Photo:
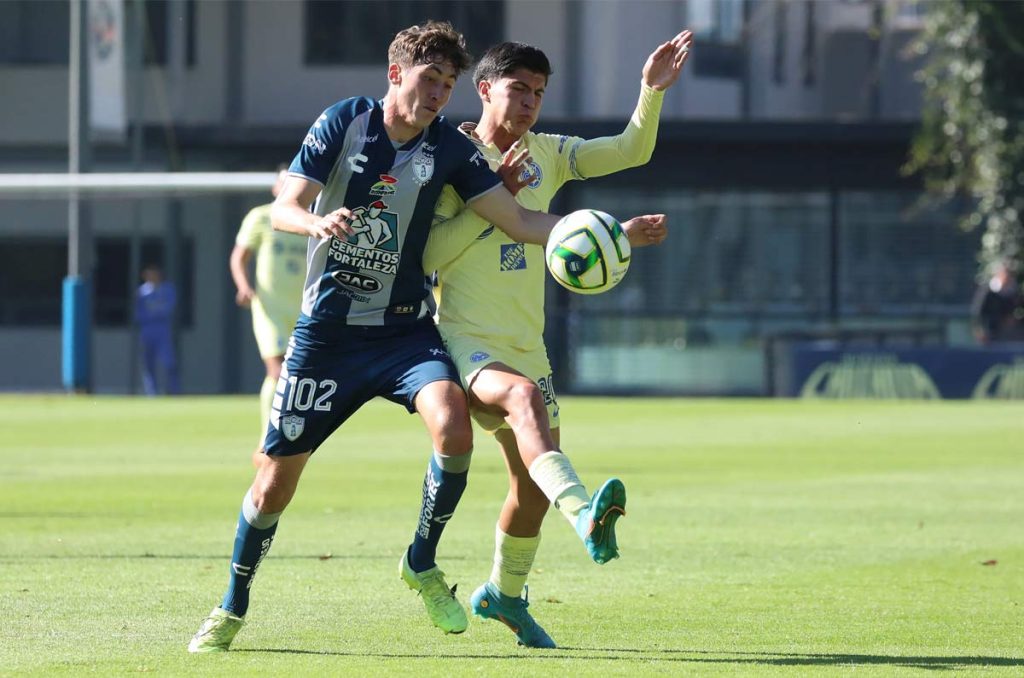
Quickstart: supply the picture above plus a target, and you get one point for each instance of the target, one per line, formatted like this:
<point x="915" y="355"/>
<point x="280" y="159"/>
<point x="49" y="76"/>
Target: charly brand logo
<point x="1002" y="382"/>
<point x="869" y="376"/>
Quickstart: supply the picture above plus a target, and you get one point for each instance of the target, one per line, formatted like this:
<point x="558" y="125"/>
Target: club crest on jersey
<point x="422" y="168"/>
<point x="479" y="356"/>
<point x="384" y="187"/>
<point x="533" y="170"/>
<point x="292" y="426"/>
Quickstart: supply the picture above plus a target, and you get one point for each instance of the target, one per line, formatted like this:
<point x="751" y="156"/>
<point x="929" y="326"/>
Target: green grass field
<point x="763" y="537"/>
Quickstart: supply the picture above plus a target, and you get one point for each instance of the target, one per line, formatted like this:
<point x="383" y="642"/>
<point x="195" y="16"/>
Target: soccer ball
<point x="588" y="252"/>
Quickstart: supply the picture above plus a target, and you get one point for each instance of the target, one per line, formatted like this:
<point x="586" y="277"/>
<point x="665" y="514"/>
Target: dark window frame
<point x="30" y="295"/>
<point x="358" y="32"/>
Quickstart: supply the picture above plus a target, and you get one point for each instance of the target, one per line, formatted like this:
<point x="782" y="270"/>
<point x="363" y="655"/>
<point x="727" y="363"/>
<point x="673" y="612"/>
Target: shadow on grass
<point x="694" y="657"/>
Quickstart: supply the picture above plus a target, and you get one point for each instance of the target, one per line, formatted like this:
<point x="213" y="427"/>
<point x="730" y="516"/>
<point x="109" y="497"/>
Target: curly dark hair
<point x="433" y="42"/>
<point x="508" y="57"/>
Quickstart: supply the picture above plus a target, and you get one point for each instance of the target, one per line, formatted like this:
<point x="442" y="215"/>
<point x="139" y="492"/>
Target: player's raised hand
<point x="333" y="224"/>
<point x="666" y="62"/>
<point x="514" y="170"/>
<point x="648" y="229"/>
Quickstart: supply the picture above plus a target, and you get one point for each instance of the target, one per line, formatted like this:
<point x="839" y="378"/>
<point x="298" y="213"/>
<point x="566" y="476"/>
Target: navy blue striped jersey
<point x="375" y="277"/>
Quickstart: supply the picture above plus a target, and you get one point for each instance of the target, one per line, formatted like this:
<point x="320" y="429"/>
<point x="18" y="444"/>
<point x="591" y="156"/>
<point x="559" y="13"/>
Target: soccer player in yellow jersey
<point x="491" y="311"/>
<point x="276" y="298"/>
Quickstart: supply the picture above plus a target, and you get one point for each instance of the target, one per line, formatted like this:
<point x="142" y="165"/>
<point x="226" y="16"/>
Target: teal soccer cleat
<point x="490" y="603"/>
<point x="596" y="524"/>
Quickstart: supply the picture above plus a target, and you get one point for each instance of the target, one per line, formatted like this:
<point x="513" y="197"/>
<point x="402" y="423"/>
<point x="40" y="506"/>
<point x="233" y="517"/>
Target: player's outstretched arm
<point x="291" y="214"/>
<point x="455" y="228"/>
<point x="648" y="229"/>
<point x="522" y="225"/>
<point x="635" y="145"/>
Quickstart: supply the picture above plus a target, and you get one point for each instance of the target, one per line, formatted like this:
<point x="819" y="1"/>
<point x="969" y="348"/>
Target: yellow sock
<point x="513" y="558"/>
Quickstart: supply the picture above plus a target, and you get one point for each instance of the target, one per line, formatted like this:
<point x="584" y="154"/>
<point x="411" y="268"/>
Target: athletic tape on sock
<point x="553" y="474"/>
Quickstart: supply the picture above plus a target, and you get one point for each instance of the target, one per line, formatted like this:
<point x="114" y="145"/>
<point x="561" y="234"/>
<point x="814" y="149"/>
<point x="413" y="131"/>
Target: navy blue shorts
<point x="329" y="372"/>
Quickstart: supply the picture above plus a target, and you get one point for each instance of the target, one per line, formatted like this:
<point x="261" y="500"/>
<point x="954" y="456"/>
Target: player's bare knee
<point x="273" y="488"/>
<point x="447" y="419"/>
<point x="454" y="436"/>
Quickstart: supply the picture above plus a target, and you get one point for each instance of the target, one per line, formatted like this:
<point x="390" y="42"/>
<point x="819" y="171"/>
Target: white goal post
<point x="121" y="184"/>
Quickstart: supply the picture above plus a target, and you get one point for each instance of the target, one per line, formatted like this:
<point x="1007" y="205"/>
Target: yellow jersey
<point x="280" y="265"/>
<point x="493" y="287"/>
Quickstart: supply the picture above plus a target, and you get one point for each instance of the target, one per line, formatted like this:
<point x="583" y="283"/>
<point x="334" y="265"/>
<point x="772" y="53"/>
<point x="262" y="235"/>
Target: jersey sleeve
<point x="472" y="177"/>
<point x="454" y="229"/>
<point x="250" y="232"/>
<point x="632" y="148"/>
<point x="326" y="138"/>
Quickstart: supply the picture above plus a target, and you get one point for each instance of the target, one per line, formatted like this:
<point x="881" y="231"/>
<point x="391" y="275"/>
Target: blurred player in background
<point x="366" y="329"/>
<point x="997" y="309"/>
<point x="275" y="299"/>
<point x="156" y="302"/>
<point x="491" y="311"/>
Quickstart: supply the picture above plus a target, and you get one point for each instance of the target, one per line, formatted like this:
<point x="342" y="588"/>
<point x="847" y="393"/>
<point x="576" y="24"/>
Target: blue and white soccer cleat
<point x="596" y="524"/>
<point x="490" y="603"/>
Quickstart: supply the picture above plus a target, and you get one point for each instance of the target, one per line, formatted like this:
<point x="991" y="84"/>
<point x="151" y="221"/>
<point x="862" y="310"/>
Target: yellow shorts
<point x="470" y="354"/>
<point x="271" y="333"/>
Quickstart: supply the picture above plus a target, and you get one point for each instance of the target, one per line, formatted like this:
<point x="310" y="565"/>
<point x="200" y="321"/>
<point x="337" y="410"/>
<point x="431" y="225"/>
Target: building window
<point x="781" y="20"/>
<point x="114" y="285"/>
<point x="34" y="268"/>
<point x="34" y="32"/>
<point x="717" y="27"/>
<point x="30" y="288"/>
<point x="158" y="15"/>
<point x="358" y="32"/>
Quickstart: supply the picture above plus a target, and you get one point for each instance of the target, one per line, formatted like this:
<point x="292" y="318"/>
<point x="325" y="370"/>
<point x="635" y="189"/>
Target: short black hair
<point x="508" y="57"/>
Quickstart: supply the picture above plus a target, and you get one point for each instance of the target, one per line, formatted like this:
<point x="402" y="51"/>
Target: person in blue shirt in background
<point x="155" y="304"/>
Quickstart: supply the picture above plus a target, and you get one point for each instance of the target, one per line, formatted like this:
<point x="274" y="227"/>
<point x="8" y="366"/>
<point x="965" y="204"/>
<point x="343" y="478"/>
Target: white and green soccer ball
<point x="588" y="252"/>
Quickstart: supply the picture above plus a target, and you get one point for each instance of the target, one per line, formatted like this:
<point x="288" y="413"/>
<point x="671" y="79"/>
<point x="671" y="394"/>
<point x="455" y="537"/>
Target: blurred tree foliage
<point x="971" y="141"/>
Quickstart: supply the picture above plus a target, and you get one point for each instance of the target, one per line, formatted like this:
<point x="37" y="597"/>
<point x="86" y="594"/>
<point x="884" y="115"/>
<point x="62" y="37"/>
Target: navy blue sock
<point x="442" y="488"/>
<point x="253" y="538"/>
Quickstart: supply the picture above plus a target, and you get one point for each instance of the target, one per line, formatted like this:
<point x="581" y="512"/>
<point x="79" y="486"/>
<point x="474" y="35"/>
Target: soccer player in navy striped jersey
<point x="363" y="188"/>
